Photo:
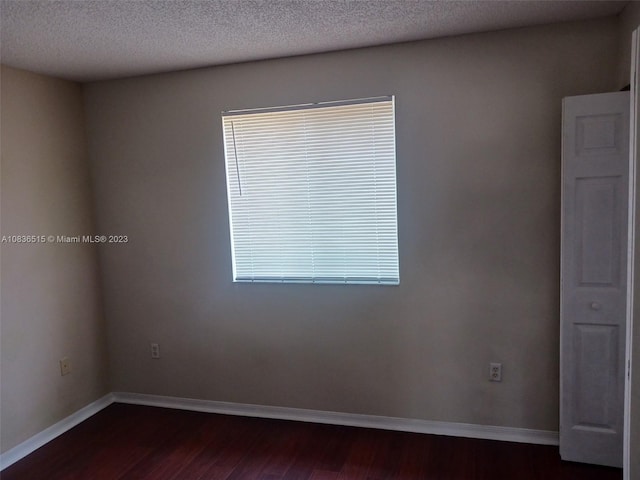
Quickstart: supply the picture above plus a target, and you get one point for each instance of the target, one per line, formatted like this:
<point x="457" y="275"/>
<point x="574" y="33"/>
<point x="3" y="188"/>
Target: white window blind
<point x="312" y="192"/>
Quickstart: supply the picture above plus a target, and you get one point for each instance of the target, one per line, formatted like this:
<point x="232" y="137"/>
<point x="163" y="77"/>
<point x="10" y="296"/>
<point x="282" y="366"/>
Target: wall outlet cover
<point x="495" y="372"/>
<point x="65" y="366"/>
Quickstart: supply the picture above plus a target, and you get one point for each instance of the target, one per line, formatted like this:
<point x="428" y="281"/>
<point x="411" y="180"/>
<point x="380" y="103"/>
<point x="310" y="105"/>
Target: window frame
<point x="231" y="163"/>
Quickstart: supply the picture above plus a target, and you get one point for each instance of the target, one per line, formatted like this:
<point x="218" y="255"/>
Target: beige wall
<point x="50" y="302"/>
<point x="478" y="148"/>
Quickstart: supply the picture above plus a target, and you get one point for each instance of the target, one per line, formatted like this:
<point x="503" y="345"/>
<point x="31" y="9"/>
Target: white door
<point x="632" y="394"/>
<point x="595" y="164"/>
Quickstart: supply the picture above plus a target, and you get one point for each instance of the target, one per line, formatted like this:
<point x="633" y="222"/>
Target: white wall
<point x="478" y="148"/>
<point x="50" y="304"/>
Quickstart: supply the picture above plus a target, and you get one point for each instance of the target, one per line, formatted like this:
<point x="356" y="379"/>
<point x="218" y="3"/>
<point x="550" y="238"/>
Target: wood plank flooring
<point x="134" y="442"/>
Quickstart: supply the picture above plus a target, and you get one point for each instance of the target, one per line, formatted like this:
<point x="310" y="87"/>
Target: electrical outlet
<point x="155" y="350"/>
<point x="495" y="372"/>
<point x="65" y="366"/>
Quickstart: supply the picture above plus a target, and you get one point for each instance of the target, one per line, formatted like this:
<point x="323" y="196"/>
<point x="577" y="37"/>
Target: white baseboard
<point x="45" y="436"/>
<point x="487" y="432"/>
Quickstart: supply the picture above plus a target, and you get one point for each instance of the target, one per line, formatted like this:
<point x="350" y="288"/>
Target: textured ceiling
<point x="87" y="40"/>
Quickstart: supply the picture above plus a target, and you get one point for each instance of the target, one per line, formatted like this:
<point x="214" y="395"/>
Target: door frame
<point x="633" y="161"/>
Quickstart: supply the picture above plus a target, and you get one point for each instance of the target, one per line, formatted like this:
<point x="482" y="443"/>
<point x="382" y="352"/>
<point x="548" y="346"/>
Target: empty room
<point x="319" y="239"/>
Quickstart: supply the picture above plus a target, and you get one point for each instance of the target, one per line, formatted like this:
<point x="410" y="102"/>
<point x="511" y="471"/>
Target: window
<point x="312" y="192"/>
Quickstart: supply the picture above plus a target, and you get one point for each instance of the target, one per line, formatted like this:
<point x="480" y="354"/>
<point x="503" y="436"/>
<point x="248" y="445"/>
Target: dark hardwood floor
<point x="134" y="442"/>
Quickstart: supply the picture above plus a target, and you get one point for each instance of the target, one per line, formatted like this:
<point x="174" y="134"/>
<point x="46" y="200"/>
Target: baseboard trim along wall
<point x="45" y="436"/>
<point x="486" y="432"/>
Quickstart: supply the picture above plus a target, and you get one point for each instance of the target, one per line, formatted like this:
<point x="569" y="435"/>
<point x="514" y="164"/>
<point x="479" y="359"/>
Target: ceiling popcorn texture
<point x="87" y="40"/>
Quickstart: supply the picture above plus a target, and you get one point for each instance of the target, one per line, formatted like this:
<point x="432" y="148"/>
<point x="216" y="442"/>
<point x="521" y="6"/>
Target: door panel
<point x="593" y="277"/>
<point x="599" y="135"/>
<point x="597" y="232"/>
<point x="596" y="371"/>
